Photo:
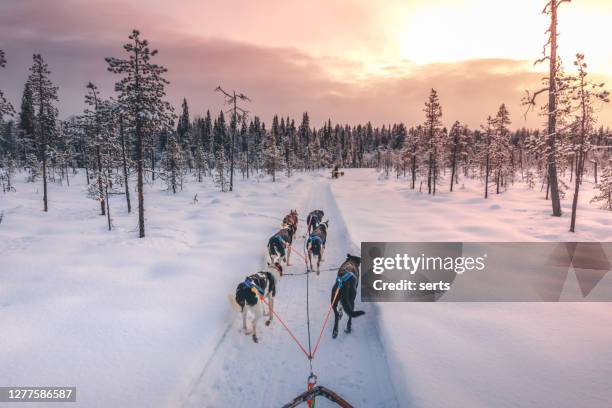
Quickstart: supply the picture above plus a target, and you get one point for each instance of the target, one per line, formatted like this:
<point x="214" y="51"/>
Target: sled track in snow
<point x="269" y="374"/>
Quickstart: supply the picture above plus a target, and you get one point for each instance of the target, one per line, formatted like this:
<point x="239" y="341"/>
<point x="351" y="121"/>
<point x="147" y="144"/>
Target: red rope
<point x="325" y="322"/>
<point x="286" y="328"/>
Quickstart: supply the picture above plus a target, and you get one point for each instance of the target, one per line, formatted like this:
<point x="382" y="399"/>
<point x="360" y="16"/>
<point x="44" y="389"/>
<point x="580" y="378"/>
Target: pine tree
<point x="604" y="188"/>
<point x="458" y="144"/>
<point x="433" y="139"/>
<point x="44" y="95"/>
<point x="94" y="120"/>
<point x="586" y="93"/>
<point x="184" y="130"/>
<point x="485" y="151"/>
<point x="7" y="170"/>
<point x="141" y="95"/>
<point x="173" y="164"/>
<point x="26" y="139"/>
<point x="272" y="156"/>
<point x="6" y="109"/>
<point x="125" y="160"/>
<point x="500" y="146"/>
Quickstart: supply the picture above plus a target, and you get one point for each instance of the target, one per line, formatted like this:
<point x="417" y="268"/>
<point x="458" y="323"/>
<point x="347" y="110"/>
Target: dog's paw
<point x="268" y="322"/>
<point x="246" y="331"/>
<point x="334" y="334"/>
<point x="347" y="330"/>
<point x="255" y="339"/>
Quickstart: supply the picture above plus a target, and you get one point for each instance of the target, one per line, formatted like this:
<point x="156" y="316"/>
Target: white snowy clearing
<point x="146" y="323"/>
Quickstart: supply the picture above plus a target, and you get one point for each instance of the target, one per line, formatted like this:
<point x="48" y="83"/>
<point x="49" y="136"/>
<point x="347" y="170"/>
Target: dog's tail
<point x="346" y="304"/>
<point x="233" y="303"/>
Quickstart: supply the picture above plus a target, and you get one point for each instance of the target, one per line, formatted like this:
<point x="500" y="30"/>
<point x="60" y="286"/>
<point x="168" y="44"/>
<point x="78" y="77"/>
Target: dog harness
<point x="248" y="282"/>
<point x="314" y="238"/>
<point x="279" y="239"/>
<point x="346" y="275"/>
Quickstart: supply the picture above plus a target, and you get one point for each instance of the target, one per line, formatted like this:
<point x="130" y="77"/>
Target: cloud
<point x="74" y="39"/>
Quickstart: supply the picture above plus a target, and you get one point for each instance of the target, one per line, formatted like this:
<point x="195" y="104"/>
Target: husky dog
<point x="316" y="243"/>
<point x="251" y="293"/>
<point x="279" y="241"/>
<point x="291" y="218"/>
<point x="313" y="219"/>
<point x="348" y="281"/>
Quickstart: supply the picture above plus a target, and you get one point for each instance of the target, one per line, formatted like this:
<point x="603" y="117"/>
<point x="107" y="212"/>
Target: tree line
<point x="137" y="135"/>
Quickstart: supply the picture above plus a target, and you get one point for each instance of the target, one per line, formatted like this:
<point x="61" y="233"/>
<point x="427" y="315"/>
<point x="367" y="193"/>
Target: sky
<point x="349" y="60"/>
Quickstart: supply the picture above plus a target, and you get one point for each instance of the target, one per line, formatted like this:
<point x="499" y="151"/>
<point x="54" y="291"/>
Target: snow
<point x="484" y="354"/>
<point x="146" y="322"/>
<point x="106" y="311"/>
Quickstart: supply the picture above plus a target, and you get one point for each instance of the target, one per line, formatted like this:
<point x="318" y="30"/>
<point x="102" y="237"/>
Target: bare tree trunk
<point x="125" y="167"/>
<point x="100" y="185"/>
<point x="140" y="169"/>
<point x="552" y="114"/>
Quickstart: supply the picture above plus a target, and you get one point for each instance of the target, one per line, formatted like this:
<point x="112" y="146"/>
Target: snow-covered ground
<point x="146" y="323"/>
<point x="484" y="354"/>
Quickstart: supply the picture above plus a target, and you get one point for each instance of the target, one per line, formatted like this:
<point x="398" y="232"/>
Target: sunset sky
<point x="351" y="60"/>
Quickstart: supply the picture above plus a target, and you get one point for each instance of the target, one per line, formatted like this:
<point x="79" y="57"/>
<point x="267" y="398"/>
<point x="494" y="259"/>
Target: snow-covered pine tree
<point x="604" y="188"/>
<point x="94" y="119"/>
<point x="486" y="141"/>
<point x="316" y="154"/>
<point x="432" y="140"/>
<point x="173" y="164"/>
<point x="8" y="167"/>
<point x="6" y="109"/>
<point x="500" y="147"/>
<point x="304" y="140"/>
<point x="141" y="92"/>
<point x="104" y="147"/>
<point x="44" y="96"/>
<point x="457" y="146"/>
<point x="586" y="94"/>
<point x="410" y="152"/>
<point x="26" y="141"/>
<point x="184" y="134"/>
<point x="271" y="155"/>
<point x="205" y="129"/>
<point x="244" y="148"/>
<point x="221" y="141"/>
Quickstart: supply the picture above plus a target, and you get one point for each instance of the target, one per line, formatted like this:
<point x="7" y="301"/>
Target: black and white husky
<point x="250" y="292"/>
<point x="315" y="246"/>
<point x="313" y="219"/>
<point x="348" y="281"/>
<point x="279" y="245"/>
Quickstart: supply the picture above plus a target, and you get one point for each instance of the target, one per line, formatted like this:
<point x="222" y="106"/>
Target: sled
<point x="315" y="392"/>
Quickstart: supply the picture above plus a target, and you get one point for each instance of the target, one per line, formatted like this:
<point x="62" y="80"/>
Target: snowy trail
<point x="271" y="373"/>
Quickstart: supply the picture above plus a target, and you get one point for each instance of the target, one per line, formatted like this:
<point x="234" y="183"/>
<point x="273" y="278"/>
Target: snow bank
<point x="484" y="354"/>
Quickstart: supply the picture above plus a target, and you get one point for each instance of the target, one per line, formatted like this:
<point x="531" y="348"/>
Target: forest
<point x="136" y="136"/>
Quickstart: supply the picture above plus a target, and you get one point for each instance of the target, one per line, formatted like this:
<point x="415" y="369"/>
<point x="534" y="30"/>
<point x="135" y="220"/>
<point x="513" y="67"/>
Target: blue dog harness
<point x="314" y="238"/>
<point x="248" y="282"/>
<point x="346" y="275"/>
